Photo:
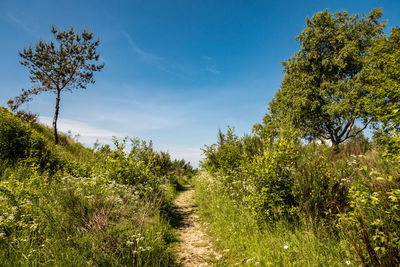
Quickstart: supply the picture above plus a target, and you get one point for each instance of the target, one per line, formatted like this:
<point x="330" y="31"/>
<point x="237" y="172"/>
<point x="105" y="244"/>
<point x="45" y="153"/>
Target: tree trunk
<point x="336" y="148"/>
<point x="55" y="134"/>
<point x="335" y="143"/>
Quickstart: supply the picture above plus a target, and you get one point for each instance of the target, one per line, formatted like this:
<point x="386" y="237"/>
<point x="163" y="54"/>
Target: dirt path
<point x="194" y="247"/>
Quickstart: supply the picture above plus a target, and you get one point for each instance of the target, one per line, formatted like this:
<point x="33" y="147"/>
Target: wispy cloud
<point x="213" y="69"/>
<point x="169" y="66"/>
<point x="87" y="133"/>
<point x="146" y="56"/>
<point x="21" y="24"/>
<point x="211" y="65"/>
<point x="150" y="58"/>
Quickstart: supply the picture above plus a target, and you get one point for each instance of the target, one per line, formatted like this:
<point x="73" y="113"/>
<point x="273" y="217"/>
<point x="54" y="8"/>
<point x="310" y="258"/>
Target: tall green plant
<point x="270" y="181"/>
<point x="320" y="94"/>
<point x="68" y="64"/>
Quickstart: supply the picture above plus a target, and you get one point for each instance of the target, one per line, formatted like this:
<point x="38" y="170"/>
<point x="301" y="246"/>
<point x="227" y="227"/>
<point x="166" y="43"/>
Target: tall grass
<point x="67" y="205"/>
<point x="246" y="242"/>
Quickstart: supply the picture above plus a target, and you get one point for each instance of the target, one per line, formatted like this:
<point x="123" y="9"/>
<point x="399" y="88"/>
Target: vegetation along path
<point x="194" y="248"/>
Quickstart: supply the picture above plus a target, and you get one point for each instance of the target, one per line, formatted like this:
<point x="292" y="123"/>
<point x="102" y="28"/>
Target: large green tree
<point x="320" y="94"/>
<point x="382" y="76"/>
<point x="67" y="63"/>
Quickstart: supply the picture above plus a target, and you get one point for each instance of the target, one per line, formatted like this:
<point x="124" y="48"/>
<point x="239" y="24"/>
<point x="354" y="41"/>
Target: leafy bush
<point x="128" y="168"/>
<point x="17" y="139"/>
<point x="389" y="143"/>
<point x="373" y="223"/>
<point x="320" y="188"/>
<point x="225" y="156"/>
<point x="351" y="194"/>
<point x="270" y="181"/>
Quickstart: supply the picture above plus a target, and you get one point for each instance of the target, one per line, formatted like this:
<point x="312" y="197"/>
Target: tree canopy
<point x="382" y="77"/>
<point x="66" y="64"/>
<point x="320" y="93"/>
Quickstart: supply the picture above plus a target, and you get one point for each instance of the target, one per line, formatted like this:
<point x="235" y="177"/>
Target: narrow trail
<point x="194" y="248"/>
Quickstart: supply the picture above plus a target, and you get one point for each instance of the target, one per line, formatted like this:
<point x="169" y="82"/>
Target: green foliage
<point x="383" y="101"/>
<point x="245" y="241"/>
<point x="69" y="65"/>
<point x="270" y="181"/>
<point x="344" y="78"/>
<point x="129" y="168"/>
<point x="113" y="216"/>
<point x="320" y="94"/>
<point x="320" y="187"/>
<point x="230" y="152"/>
<point x="17" y="140"/>
<point x="373" y="223"/>
<point x="382" y="78"/>
<point x="269" y="130"/>
<point x="225" y="156"/>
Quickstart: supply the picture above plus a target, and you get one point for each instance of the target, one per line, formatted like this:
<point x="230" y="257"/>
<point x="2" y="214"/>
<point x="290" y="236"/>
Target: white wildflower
<point x="249" y="260"/>
<point x="348" y="262"/>
<point x="285" y="247"/>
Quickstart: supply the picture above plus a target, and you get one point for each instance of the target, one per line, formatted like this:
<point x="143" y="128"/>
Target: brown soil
<point x="194" y="248"/>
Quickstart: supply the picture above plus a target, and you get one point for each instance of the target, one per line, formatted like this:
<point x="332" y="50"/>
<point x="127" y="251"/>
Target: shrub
<point x="390" y="143"/>
<point x="17" y="139"/>
<point x="320" y="188"/>
<point x="373" y="224"/>
<point x="270" y="188"/>
<point x="225" y="156"/>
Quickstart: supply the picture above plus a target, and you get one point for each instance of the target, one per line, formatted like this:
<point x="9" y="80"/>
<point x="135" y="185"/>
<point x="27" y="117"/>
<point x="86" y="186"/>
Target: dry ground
<point x="194" y="248"/>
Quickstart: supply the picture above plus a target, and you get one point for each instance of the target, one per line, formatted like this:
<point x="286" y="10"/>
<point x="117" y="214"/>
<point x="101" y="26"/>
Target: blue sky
<point x="175" y="71"/>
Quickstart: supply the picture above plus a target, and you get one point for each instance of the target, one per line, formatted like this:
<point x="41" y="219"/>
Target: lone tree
<point x="320" y="94"/>
<point x="69" y="63"/>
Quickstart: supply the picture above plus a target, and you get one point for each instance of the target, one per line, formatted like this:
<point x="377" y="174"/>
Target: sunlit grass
<point x="245" y="242"/>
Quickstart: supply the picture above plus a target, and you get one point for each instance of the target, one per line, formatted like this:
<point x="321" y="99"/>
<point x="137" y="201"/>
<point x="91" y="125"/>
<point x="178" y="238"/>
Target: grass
<point x="60" y="206"/>
<point x="244" y="242"/>
<point x="86" y="222"/>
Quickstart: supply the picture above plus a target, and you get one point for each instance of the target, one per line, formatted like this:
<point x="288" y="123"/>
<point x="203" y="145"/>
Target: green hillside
<point x="68" y="205"/>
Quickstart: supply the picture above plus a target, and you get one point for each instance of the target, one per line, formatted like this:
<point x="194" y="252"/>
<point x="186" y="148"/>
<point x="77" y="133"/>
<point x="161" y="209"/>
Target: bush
<point x="320" y="188"/>
<point x="270" y="193"/>
<point x="18" y="140"/>
<point x="373" y="223"/>
<point x="225" y="156"/>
